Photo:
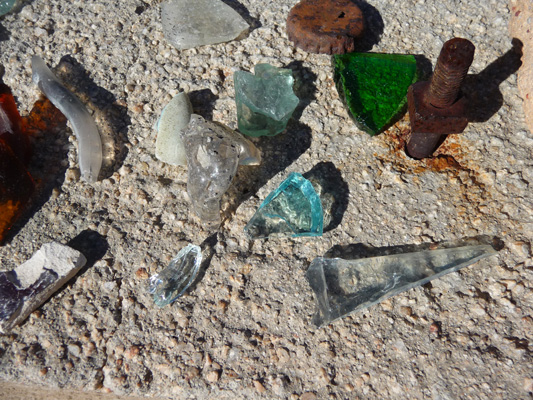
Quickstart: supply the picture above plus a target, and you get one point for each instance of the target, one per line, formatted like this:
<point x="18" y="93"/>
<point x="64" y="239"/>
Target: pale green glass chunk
<point x="346" y="286"/>
<point x="172" y="282"/>
<point x="265" y="101"/>
<point x="293" y="209"/>
<point x="6" y="6"/>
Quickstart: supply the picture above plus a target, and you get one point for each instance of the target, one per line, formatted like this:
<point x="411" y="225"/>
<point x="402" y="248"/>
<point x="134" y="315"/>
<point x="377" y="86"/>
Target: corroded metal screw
<point x="438" y="107"/>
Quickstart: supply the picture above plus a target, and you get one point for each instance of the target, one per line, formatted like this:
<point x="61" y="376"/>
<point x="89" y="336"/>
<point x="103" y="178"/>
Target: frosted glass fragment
<point x="293" y="209"/>
<point x="265" y="101"/>
<point x="213" y="154"/>
<point x="83" y="125"/>
<point x="346" y="286"/>
<point x="188" y="24"/>
<point x="174" y="280"/>
<point x="174" y="118"/>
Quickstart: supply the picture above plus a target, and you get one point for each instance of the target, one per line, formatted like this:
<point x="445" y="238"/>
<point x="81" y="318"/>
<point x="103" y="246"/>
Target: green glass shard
<point x="374" y="87"/>
<point x="293" y="209"/>
<point x="346" y="286"/>
<point x="265" y="101"/>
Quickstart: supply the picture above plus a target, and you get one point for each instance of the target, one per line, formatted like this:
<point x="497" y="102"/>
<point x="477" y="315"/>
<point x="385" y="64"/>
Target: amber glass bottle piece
<point x="16" y="184"/>
<point x="16" y="188"/>
<point x="11" y="127"/>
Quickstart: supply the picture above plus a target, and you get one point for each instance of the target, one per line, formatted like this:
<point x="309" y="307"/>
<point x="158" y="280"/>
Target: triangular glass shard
<point x="346" y="286"/>
<point x="172" y="282"/>
<point x="374" y="87"/>
<point x="293" y="209"/>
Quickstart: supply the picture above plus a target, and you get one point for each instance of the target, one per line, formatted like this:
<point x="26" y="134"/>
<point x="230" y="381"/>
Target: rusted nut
<point x="325" y="26"/>
<point x="438" y="107"/>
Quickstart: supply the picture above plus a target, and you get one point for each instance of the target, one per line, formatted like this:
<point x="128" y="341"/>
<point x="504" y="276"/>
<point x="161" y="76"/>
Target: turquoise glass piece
<point x="346" y="286"/>
<point x="6" y="6"/>
<point x="293" y="209"/>
<point x="174" y="280"/>
<point x="265" y="101"/>
<point x="374" y="87"/>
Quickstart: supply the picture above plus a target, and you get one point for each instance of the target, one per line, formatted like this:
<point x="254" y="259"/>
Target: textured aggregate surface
<point x="244" y="330"/>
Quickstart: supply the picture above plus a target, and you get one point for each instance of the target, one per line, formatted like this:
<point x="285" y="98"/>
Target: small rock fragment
<point x="32" y="283"/>
<point x="293" y="209"/>
<point x="172" y="282"/>
<point x="174" y="118"/>
<point x="213" y="154"/>
<point x="265" y="101"/>
<point x="189" y="24"/>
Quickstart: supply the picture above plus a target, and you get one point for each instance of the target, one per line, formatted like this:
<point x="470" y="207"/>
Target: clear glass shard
<point x="346" y="286"/>
<point x="293" y="209"/>
<point x="213" y="155"/>
<point x="265" y="101"/>
<point x="188" y="24"/>
<point x="174" y="280"/>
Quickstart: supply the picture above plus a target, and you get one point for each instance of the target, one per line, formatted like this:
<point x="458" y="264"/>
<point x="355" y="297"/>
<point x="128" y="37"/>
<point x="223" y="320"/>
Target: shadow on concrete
<point x="333" y="191"/>
<point x="482" y="90"/>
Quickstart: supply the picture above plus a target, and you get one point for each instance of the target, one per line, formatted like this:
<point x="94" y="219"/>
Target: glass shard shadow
<point x="174" y="280"/>
<point x="346" y="286"/>
<point x="265" y="101"/>
<point x="293" y="209"/>
<point x="374" y="87"/>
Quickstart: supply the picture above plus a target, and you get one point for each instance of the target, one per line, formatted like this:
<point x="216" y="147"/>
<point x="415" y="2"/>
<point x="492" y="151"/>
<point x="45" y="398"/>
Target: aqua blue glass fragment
<point x="343" y="286"/>
<point x="174" y="280"/>
<point x="293" y="209"/>
<point x="6" y="6"/>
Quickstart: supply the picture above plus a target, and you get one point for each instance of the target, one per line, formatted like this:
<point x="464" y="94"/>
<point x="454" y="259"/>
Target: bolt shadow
<point x="111" y="118"/>
<point x="203" y="103"/>
<point x="208" y="251"/>
<point x="245" y="14"/>
<point x="373" y="27"/>
<point x="333" y="192"/>
<point x="483" y="91"/>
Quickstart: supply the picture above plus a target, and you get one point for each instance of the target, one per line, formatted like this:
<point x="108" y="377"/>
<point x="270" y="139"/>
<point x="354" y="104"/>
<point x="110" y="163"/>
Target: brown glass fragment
<point x="43" y="117"/>
<point x="325" y="26"/>
<point x="16" y="188"/>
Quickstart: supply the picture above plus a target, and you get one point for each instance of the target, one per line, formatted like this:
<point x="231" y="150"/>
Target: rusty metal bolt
<point x="438" y="107"/>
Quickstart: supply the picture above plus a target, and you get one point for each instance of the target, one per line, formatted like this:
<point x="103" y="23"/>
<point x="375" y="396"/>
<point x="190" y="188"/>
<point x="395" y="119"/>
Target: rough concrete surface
<point x="244" y="330"/>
